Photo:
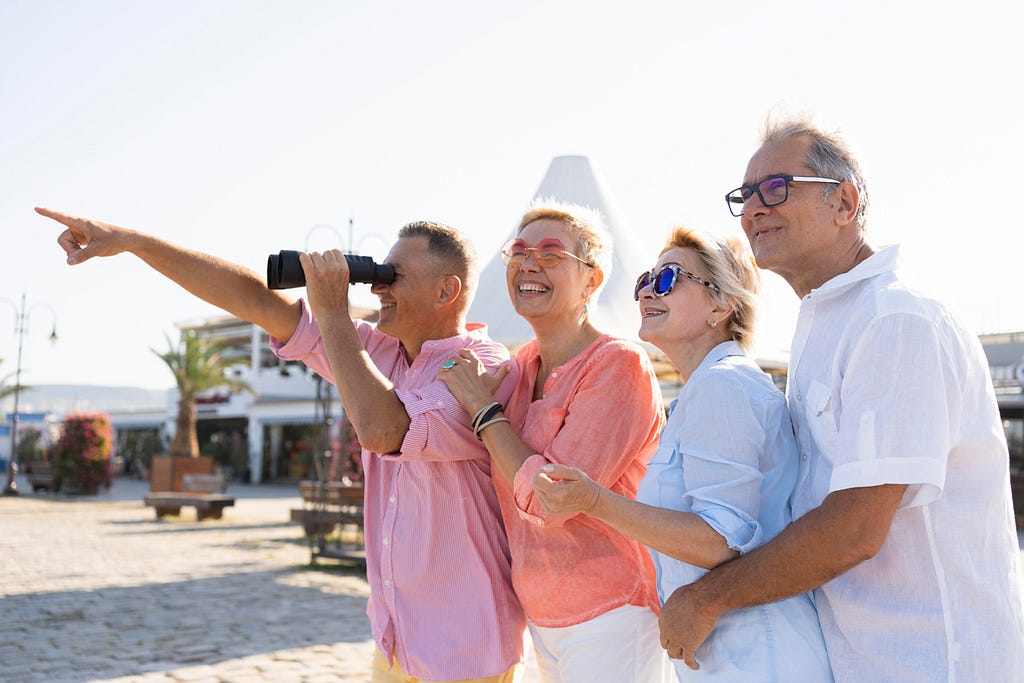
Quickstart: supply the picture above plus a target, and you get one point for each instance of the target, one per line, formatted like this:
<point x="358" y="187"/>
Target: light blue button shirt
<point x="728" y="455"/>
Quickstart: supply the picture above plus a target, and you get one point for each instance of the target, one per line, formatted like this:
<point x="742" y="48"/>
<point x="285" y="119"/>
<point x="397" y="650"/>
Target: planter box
<point x="166" y="472"/>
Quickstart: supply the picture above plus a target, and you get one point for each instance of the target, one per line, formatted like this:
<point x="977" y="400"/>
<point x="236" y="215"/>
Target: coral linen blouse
<point x="601" y="412"/>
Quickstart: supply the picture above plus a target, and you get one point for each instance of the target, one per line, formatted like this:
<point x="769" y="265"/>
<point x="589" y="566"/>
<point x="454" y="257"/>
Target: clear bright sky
<point x="236" y="126"/>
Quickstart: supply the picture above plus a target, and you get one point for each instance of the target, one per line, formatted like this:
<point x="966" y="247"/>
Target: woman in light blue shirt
<point x="720" y="482"/>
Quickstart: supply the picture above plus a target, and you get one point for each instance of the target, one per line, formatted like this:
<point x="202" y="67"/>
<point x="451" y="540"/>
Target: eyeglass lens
<point x="548" y="253"/>
<point x="771" y="192"/>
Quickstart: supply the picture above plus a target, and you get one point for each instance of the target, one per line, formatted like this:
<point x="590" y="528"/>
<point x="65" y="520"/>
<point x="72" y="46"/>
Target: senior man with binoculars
<point x="441" y="601"/>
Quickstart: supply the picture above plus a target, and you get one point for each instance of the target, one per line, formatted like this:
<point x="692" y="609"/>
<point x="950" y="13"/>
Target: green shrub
<point x="30" y="446"/>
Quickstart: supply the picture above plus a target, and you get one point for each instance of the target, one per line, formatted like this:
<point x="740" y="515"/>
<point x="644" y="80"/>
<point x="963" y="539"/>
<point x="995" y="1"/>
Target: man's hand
<point x="327" y="282"/>
<point x="685" y="624"/>
<point x="565" y="490"/>
<point x="85" y="238"/>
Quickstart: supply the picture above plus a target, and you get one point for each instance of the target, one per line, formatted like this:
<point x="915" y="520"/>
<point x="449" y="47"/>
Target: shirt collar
<point x="437" y="350"/>
<point x="885" y="260"/>
<point x="723" y="350"/>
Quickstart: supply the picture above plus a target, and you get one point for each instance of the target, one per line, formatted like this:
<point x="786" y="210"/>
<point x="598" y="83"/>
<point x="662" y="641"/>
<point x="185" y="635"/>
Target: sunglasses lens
<point x="549" y="253"/>
<point x="664" y="281"/>
<point x="641" y="282"/>
<point x="513" y="253"/>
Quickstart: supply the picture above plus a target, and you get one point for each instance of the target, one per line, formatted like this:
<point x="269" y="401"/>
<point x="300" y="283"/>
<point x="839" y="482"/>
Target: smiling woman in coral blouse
<point x="586" y="399"/>
<point x="726" y="465"/>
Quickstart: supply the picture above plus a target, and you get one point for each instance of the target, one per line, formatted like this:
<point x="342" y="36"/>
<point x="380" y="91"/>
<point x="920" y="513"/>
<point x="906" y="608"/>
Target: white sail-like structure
<point x="574" y="180"/>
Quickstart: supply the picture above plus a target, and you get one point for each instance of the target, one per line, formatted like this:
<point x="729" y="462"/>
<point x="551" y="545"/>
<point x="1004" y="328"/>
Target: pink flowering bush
<point x="82" y="455"/>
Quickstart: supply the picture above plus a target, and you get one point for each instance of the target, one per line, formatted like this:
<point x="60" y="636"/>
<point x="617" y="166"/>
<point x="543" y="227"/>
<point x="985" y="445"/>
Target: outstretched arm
<point x="229" y="286"/>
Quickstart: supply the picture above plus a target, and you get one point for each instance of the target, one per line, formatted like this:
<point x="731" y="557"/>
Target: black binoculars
<point x="284" y="270"/>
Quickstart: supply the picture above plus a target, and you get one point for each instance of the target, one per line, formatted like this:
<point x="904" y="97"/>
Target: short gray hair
<point x="451" y="248"/>
<point x="828" y="156"/>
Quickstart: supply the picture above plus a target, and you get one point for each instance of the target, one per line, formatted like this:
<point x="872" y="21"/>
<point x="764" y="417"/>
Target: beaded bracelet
<point x="485" y="425"/>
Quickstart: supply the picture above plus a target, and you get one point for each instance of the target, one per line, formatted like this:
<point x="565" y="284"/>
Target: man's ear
<point x="451" y="288"/>
<point x="847" y="199"/>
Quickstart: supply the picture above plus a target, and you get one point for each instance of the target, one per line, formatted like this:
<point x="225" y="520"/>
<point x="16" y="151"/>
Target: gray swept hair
<point x="828" y="155"/>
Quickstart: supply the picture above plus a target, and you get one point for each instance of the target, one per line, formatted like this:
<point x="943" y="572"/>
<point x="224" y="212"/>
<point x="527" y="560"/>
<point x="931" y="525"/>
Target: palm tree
<point x="5" y="388"/>
<point x="197" y="364"/>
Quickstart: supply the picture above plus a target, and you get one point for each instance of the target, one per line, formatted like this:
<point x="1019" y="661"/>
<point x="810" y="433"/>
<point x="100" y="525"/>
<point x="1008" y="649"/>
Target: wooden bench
<point x="41" y="476"/>
<point x="324" y="521"/>
<point x="204" y="492"/>
<point x="327" y="507"/>
<point x="332" y="516"/>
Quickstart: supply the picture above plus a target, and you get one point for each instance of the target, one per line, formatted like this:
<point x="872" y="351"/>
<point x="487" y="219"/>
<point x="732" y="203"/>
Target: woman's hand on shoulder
<point x="467" y="378"/>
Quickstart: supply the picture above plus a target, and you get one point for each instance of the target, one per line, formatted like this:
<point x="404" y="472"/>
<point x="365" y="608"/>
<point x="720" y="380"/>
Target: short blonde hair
<point x="731" y="266"/>
<point x="585" y="224"/>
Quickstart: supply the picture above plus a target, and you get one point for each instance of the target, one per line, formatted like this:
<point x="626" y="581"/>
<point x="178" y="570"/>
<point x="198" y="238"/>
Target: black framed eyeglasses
<point x="664" y="280"/>
<point x="772" y="191"/>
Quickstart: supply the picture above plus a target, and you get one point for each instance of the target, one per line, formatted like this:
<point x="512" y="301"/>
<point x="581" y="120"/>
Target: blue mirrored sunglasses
<point x="662" y="281"/>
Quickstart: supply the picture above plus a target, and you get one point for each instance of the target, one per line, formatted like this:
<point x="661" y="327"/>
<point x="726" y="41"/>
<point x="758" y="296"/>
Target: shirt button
<point x="440" y="404"/>
<point x="387" y="582"/>
<point x="803" y="457"/>
<point x="540" y="522"/>
<point x="385" y="541"/>
<point x="554" y="374"/>
<point x="391" y="499"/>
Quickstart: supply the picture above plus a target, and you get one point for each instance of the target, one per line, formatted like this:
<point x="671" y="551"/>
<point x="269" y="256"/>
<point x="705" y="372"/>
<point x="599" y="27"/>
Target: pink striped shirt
<point x="437" y="557"/>
<point x="601" y="411"/>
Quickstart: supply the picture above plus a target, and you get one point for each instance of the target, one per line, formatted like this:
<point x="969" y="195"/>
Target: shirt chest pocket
<point x="542" y="426"/>
<point x="821" y="418"/>
<point x="665" y="478"/>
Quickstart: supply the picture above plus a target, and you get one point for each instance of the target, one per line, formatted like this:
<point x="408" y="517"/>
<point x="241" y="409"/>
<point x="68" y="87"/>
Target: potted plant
<point x="82" y="454"/>
<point x="198" y="365"/>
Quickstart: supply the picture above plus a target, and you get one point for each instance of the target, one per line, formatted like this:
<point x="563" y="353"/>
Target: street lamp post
<point x="20" y="328"/>
<point x="337" y="232"/>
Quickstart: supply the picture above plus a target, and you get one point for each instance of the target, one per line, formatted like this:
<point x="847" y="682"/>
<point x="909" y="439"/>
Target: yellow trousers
<point x="383" y="673"/>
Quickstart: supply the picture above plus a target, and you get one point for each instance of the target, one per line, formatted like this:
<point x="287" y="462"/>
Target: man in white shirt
<point x="904" y="524"/>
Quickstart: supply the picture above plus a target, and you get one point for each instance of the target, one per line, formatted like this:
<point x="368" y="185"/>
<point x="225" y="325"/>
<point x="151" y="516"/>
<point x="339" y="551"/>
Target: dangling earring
<point x="586" y="308"/>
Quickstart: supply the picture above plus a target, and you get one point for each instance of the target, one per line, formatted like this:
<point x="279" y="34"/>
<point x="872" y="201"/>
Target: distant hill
<point x="68" y="398"/>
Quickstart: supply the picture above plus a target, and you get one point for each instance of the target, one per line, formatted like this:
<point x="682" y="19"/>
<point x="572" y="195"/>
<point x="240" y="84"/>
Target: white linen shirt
<point x="887" y="387"/>
<point x="727" y="454"/>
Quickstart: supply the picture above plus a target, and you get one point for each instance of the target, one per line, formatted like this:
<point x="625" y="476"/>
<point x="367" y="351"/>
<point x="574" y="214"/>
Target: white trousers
<point x="620" y="646"/>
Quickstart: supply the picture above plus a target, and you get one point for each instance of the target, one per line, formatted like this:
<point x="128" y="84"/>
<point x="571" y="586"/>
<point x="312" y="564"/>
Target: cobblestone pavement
<point x="96" y="589"/>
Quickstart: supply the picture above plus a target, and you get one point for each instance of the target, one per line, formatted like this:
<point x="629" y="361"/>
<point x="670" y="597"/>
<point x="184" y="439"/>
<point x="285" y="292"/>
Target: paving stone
<point x="97" y="590"/>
